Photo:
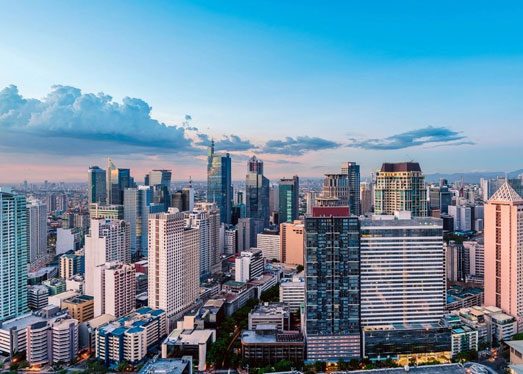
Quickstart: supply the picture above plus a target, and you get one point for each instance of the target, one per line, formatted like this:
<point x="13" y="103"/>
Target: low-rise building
<point x="267" y="345"/>
<point x="292" y="293"/>
<point x="276" y="314"/>
<point x="249" y="265"/>
<point x="37" y="297"/>
<point x="80" y="307"/>
<point x="55" y="285"/>
<point x="168" y="366"/>
<point x="59" y="298"/>
<point x="128" y="338"/>
<point x="87" y="331"/>
<point x="75" y="283"/>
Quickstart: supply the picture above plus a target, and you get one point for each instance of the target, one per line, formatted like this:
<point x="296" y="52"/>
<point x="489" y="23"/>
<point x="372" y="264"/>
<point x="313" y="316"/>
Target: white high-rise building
<point x="115" y="290"/>
<point x="269" y="243"/>
<point x="108" y="240"/>
<point x="174" y="262"/>
<point x="249" y="265"/>
<point x="37" y="230"/>
<point x="402" y="271"/>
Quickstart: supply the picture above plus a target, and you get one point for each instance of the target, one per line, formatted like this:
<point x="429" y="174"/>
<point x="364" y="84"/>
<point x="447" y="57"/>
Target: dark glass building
<point x="289" y="191"/>
<point x="97" y="190"/>
<point x="332" y="305"/>
<point x="352" y="171"/>
<point x="219" y="187"/>
<point x="257" y="191"/>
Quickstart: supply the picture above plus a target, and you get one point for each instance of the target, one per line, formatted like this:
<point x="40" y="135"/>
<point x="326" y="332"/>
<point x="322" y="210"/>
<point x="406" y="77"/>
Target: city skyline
<point x="299" y="87"/>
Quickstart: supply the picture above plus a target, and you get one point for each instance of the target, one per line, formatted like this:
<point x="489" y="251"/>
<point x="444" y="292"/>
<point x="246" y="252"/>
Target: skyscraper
<point x="115" y="289"/>
<point x="174" y="262"/>
<point x="503" y="252"/>
<point x="291" y="242"/>
<point x="118" y="180"/>
<point x="352" y="171"/>
<point x="257" y="191"/>
<point x="13" y="254"/>
<point x="159" y="177"/>
<point x="36" y="231"/>
<point x="108" y="240"/>
<point x="402" y="270"/>
<point x="332" y="305"/>
<point x="137" y="206"/>
<point x="400" y="187"/>
<point x="289" y="191"/>
<point x="219" y="187"/>
<point x="96" y="185"/>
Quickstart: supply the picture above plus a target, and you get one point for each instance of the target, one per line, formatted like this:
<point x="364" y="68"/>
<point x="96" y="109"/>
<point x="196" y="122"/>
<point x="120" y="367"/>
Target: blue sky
<point x="303" y="85"/>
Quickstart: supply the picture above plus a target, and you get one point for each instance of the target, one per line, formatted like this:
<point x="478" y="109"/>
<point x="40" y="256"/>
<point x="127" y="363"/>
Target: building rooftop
<point x="165" y="366"/>
<point x="388" y="167"/>
<point x="506" y="193"/>
<point x="268" y="334"/>
<point x="101" y="320"/>
<point x="516" y="344"/>
<point x="429" y="369"/>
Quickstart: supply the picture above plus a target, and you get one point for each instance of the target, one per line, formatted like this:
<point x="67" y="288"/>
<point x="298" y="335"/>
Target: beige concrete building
<point x="291" y="242"/>
<point x="80" y="307"/>
<point x="115" y="292"/>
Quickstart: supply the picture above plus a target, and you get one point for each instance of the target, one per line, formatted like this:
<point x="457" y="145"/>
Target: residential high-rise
<point x="291" y="242"/>
<point x="335" y="191"/>
<point x="249" y="265"/>
<point x="37" y="231"/>
<point x="219" y="187"/>
<point x="137" y="206"/>
<point x="257" y="191"/>
<point x="183" y="199"/>
<point x="503" y="252"/>
<point x="96" y="185"/>
<point x="159" y="177"/>
<point x="13" y="254"/>
<point x="400" y="187"/>
<point x="332" y="304"/>
<point x="115" y="289"/>
<point x="174" y="262"/>
<point x="402" y="270"/>
<point x="310" y="199"/>
<point x="108" y="240"/>
<point x="118" y="180"/>
<point x="352" y="171"/>
<point x="269" y="243"/>
<point x="289" y="203"/>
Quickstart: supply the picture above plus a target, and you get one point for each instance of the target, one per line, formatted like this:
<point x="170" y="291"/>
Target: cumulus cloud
<point x="428" y="135"/>
<point x="67" y="120"/>
<point x="298" y="146"/>
<point x="227" y="143"/>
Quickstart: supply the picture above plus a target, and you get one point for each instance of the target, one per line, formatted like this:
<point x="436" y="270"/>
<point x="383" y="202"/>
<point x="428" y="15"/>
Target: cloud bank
<point x="227" y="143"/>
<point x="298" y="146"/>
<point x="84" y="123"/>
<point x="427" y="135"/>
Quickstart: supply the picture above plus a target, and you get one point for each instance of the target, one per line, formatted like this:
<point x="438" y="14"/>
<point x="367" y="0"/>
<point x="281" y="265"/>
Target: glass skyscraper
<point x="13" y="254"/>
<point x="97" y="189"/>
<point x="257" y="191"/>
<point x="137" y="206"/>
<point x="118" y="180"/>
<point x="332" y="304"/>
<point x="219" y="186"/>
<point x="352" y="171"/>
<point x="288" y="204"/>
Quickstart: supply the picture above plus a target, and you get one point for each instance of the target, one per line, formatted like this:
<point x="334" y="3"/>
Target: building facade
<point x="219" y="186"/>
<point x="289" y="199"/>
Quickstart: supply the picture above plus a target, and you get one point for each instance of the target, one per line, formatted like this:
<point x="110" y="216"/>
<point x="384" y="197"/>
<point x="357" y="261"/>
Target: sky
<point x="303" y="85"/>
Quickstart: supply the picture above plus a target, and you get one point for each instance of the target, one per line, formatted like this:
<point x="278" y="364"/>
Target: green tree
<point x="320" y="366"/>
<point x="122" y="366"/>
<point x="272" y="294"/>
<point x="299" y="268"/>
<point x="283" y="365"/>
<point x="95" y="367"/>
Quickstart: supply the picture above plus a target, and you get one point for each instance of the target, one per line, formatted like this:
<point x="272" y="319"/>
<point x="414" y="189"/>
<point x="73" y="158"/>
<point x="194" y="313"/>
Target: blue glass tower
<point x="219" y="185"/>
<point x="288" y="191"/>
<point x="13" y="254"/>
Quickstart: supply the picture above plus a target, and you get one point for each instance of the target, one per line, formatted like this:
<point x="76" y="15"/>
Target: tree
<point x="299" y="268"/>
<point x="518" y="336"/>
<point x="283" y="365"/>
<point x="95" y="367"/>
<point x="272" y="294"/>
<point x="320" y="366"/>
<point x="122" y="366"/>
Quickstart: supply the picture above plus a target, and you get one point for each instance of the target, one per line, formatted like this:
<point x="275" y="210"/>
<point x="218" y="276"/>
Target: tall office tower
<point x="96" y="185"/>
<point x="249" y="265"/>
<point x="36" y="231"/>
<point x="183" y="199"/>
<point x="219" y="187"/>
<point x="400" y="187"/>
<point x="108" y="240"/>
<point x="335" y="191"/>
<point x="159" y="177"/>
<point x="200" y="220"/>
<point x="248" y="229"/>
<point x="137" y="206"/>
<point x="257" y="191"/>
<point x="292" y="242"/>
<point x="476" y="254"/>
<point x="352" y="171"/>
<point x="365" y="197"/>
<point x="332" y="305"/>
<point x="174" y="262"/>
<point x="434" y="195"/>
<point x="13" y="254"/>
<point x="462" y="215"/>
<point x="402" y="270"/>
<point x="445" y="199"/>
<point x="310" y="199"/>
<point x="454" y="262"/>
<point x="269" y="243"/>
<point x="118" y="180"/>
<point x="289" y="199"/>
<point x="483" y="184"/>
<point x="230" y="240"/>
<point x="274" y="198"/>
<point x="115" y="289"/>
<point x="503" y="252"/>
